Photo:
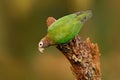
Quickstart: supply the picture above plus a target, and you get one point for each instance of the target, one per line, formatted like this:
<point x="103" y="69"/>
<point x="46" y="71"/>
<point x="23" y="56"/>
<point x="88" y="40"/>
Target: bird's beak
<point x="41" y="49"/>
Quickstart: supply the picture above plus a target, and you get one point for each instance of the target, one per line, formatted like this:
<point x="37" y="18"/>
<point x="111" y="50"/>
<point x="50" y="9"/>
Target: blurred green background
<point x="22" y="25"/>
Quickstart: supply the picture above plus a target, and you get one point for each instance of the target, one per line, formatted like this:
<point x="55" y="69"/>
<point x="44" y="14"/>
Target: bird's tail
<point x="84" y="15"/>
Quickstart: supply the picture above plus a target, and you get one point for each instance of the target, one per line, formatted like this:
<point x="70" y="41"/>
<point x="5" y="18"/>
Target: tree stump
<point x="83" y="57"/>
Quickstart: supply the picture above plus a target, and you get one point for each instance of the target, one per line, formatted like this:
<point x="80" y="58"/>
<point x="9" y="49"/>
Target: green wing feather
<point x="65" y="28"/>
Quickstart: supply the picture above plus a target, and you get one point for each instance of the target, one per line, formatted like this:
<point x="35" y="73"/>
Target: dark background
<point x="22" y="25"/>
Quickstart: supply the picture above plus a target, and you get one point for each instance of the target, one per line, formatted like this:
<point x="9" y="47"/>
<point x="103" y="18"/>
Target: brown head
<point x="44" y="42"/>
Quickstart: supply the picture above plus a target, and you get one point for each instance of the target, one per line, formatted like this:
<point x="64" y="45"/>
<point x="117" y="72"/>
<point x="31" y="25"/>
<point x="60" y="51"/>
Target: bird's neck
<point x="48" y="41"/>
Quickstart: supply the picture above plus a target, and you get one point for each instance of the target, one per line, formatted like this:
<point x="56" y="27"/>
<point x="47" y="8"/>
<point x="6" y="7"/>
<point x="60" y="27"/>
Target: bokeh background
<point x="22" y="25"/>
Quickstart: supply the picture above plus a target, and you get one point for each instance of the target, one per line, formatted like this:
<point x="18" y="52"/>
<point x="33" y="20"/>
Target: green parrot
<point x="64" y="29"/>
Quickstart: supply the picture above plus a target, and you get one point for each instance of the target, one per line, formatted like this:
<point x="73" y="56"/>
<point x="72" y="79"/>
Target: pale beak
<point x="41" y="49"/>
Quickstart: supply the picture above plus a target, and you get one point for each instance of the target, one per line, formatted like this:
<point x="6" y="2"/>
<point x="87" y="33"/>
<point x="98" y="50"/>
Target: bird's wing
<point x="50" y="20"/>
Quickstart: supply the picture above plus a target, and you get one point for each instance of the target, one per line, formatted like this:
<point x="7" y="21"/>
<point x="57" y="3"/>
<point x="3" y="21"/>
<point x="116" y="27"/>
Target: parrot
<point x="64" y="29"/>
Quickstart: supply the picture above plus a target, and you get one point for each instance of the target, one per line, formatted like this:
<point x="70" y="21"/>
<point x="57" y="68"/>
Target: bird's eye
<point x="40" y="44"/>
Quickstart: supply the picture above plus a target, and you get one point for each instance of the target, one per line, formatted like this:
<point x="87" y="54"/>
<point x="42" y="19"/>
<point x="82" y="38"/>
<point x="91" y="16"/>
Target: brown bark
<point x="84" y="58"/>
